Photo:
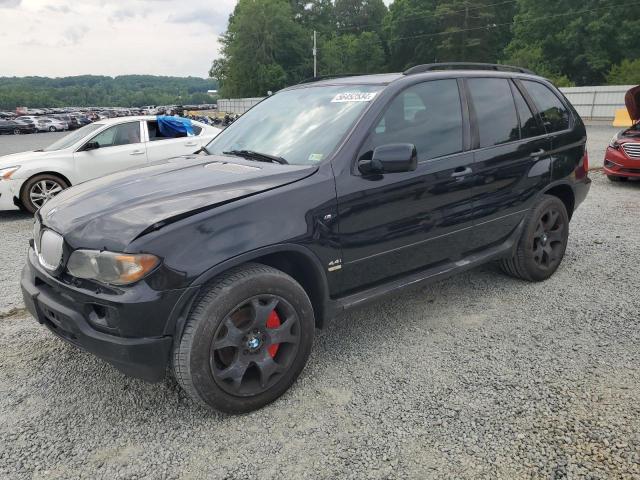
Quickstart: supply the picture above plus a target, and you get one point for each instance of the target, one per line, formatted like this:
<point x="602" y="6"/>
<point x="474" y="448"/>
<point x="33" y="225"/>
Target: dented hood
<point x="632" y="101"/>
<point x="112" y="211"/>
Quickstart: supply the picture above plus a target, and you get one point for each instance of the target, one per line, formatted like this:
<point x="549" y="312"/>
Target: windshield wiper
<point x="260" y="157"/>
<point x="202" y="149"/>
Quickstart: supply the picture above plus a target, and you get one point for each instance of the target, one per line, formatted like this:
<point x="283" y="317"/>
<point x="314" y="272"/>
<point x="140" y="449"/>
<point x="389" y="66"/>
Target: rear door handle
<point x="137" y="152"/>
<point x="461" y="172"/>
<point x="191" y="144"/>
<point x="538" y="154"/>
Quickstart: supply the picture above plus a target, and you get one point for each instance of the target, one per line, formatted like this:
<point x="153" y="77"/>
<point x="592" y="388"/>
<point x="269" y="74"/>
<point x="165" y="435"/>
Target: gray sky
<point x="57" y="38"/>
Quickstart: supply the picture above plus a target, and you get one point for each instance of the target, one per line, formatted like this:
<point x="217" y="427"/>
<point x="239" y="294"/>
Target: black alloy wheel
<point x="246" y="340"/>
<point x="543" y="242"/>
<point x="17" y="131"/>
<point x="254" y="345"/>
<point x="549" y="239"/>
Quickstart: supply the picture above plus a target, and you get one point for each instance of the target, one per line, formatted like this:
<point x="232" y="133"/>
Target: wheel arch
<point x="295" y="260"/>
<point x="46" y="172"/>
<point x="565" y="193"/>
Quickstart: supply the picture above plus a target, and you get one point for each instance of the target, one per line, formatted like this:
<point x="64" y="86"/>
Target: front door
<point x="396" y="223"/>
<point x="119" y="148"/>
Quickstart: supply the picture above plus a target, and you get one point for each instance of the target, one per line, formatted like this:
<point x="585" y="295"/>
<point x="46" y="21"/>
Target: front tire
<point x="246" y="341"/>
<point x="53" y="129"/>
<point x="541" y="247"/>
<point x="40" y="188"/>
<point x="17" y="131"/>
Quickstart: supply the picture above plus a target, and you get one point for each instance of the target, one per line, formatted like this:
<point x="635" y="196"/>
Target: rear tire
<point x="17" y="131"/>
<point x="541" y="246"/>
<point x="40" y="188"/>
<point x="230" y="357"/>
<point x="53" y="129"/>
<point x="616" y="178"/>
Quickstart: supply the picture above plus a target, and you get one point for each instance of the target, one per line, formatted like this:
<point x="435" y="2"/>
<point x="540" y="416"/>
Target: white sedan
<point x="29" y="179"/>
<point x="46" y="124"/>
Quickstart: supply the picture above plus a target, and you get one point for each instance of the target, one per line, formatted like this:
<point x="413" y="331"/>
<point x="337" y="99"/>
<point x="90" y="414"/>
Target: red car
<point x="622" y="158"/>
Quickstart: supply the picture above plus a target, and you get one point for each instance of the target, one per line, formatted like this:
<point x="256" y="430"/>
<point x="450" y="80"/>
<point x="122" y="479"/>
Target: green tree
<point x="576" y="39"/>
<point x="472" y="30"/>
<point x="427" y="31"/>
<point x="354" y="16"/>
<point x="410" y="26"/>
<point x="351" y="53"/>
<point x="626" y="73"/>
<point x="263" y="49"/>
<point x="92" y="90"/>
<point x="316" y="15"/>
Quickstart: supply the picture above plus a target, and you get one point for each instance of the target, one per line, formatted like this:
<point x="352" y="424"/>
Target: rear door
<point x="511" y="158"/>
<point x="391" y="224"/>
<point x="160" y="147"/>
<point x="120" y="148"/>
<point x="566" y="134"/>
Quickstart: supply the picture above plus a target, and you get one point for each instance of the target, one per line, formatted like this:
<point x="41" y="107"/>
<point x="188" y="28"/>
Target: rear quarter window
<point x="554" y="114"/>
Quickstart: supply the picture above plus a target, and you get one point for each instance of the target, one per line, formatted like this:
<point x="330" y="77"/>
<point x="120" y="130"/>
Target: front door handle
<point x="191" y="144"/>
<point x="137" y="152"/>
<point x="461" y="172"/>
<point x="538" y="154"/>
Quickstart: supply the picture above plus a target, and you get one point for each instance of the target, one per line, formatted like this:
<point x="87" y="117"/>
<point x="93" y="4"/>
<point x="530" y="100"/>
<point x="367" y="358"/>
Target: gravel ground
<point x="478" y="376"/>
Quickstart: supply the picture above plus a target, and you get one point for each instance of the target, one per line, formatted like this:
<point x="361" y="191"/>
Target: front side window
<point x="427" y="115"/>
<point x="302" y="125"/>
<point x="125" y="134"/>
<point x="495" y="109"/>
<point x="73" y="138"/>
<point x="554" y="114"/>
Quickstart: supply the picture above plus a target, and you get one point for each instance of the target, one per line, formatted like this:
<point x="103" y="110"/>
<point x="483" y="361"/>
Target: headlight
<point x="614" y="142"/>
<point x="109" y="267"/>
<point x="5" y="173"/>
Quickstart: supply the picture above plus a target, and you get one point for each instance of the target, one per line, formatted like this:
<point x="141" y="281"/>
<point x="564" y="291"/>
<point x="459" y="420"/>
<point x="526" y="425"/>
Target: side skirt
<point x="495" y="252"/>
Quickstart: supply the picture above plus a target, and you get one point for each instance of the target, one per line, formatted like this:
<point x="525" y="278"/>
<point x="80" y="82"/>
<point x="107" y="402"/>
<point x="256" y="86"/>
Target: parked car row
<point x="33" y="120"/>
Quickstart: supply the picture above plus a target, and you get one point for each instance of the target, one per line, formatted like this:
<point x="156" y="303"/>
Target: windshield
<point x="303" y="125"/>
<point x="74" y="137"/>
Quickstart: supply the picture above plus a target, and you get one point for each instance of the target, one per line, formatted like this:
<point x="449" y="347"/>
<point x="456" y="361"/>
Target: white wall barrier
<point x="597" y="103"/>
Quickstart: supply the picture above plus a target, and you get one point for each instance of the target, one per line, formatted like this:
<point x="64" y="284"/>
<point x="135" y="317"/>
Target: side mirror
<point x="91" y="146"/>
<point x="391" y="158"/>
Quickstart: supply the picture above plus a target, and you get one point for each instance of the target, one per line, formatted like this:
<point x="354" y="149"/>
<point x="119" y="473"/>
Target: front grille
<point x="632" y="149"/>
<point x="49" y="249"/>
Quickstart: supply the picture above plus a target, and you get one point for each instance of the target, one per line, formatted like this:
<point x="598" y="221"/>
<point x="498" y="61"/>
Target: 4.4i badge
<point x="335" y="265"/>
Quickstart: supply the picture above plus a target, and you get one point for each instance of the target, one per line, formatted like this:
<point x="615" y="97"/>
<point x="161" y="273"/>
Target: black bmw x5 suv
<point x="328" y="194"/>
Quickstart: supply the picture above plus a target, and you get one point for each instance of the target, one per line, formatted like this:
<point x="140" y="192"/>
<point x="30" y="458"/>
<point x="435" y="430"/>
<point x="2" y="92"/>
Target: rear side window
<point x="554" y="114"/>
<point x="428" y="115"/>
<point x="495" y="111"/>
<point x="529" y="126"/>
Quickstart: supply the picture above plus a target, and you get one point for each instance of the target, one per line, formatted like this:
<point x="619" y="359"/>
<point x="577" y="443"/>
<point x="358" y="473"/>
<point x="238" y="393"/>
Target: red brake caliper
<point x="273" y="322"/>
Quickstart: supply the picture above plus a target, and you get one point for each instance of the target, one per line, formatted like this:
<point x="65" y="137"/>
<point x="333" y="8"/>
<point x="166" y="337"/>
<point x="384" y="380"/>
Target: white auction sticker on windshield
<point x="354" y="97"/>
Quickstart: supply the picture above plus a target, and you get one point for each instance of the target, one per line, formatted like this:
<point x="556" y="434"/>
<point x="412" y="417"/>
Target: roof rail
<point x="329" y="77"/>
<point x="430" y="67"/>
